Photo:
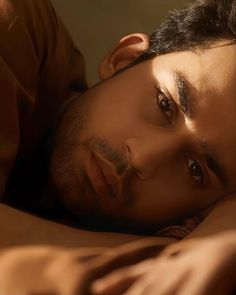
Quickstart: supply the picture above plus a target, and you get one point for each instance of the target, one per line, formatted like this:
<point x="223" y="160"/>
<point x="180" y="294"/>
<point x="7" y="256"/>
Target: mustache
<point x="119" y="162"/>
<point x="101" y="146"/>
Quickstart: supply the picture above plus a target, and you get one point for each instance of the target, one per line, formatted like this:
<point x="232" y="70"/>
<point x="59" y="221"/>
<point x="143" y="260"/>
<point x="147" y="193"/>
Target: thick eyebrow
<point x="187" y="107"/>
<point x="185" y="101"/>
<point x="215" y="166"/>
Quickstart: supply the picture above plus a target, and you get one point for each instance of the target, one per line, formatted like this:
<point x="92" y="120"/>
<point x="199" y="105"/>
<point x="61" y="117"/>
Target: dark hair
<point x="193" y="28"/>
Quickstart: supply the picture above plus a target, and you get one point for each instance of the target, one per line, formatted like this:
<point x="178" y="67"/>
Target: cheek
<point x="164" y="199"/>
<point x="114" y="119"/>
<point x="157" y="200"/>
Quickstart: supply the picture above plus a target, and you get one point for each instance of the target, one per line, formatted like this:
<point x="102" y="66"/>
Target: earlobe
<point x="128" y="49"/>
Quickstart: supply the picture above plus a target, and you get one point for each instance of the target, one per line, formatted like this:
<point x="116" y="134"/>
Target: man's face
<point x="155" y="143"/>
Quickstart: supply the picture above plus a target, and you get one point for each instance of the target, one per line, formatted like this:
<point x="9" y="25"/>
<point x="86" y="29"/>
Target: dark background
<point x="96" y="25"/>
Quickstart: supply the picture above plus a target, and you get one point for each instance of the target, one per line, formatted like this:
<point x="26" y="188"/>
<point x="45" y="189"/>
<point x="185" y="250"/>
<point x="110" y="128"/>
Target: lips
<point x="103" y="178"/>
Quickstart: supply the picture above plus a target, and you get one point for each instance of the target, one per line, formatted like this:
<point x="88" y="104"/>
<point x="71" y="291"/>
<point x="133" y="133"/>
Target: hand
<point x="197" y="267"/>
<point x="57" y="270"/>
<point x="45" y="270"/>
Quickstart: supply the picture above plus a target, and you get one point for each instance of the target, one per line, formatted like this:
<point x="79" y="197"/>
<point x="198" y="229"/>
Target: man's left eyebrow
<point x="185" y="101"/>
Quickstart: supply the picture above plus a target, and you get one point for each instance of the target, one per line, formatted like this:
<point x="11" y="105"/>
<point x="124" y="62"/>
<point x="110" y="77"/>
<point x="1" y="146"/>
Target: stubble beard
<point x="69" y="185"/>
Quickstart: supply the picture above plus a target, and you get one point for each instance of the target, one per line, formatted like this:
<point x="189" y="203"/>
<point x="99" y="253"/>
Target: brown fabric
<point x="180" y="231"/>
<point x="38" y="65"/>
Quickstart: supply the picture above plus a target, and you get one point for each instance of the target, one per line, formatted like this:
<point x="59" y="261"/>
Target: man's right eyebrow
<point x="185" y="101"/>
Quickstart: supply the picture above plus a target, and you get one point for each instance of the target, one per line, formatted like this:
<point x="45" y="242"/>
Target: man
<point x="165" y="159"/>
<point x="120" y="143"/>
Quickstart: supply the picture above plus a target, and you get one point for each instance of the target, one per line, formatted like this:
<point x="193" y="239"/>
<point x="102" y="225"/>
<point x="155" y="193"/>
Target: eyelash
<point x="161" y="97"/>
<point x="169" y="116"/>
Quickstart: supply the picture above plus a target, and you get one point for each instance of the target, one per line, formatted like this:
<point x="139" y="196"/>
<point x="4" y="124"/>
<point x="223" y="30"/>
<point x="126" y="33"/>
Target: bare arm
<point x="18" y="228"/>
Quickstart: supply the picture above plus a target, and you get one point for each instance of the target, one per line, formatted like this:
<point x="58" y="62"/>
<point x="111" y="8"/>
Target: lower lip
<point x="97" y="178"/>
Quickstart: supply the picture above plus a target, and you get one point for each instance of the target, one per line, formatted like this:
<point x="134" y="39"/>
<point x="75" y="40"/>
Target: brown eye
<point x="195" y="170"/>
<point x="166" y="106"/>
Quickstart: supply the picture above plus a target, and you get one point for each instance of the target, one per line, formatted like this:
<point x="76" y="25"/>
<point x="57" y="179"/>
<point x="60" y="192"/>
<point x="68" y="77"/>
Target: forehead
<point x="211" y="68"/>
<point x="211" y="77"/>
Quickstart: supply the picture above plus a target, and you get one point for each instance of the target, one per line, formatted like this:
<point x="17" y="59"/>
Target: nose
<point x="148" y="155"/>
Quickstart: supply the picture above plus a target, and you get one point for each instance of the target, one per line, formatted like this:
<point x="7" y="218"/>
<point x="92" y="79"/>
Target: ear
<point x="128" y="49"/>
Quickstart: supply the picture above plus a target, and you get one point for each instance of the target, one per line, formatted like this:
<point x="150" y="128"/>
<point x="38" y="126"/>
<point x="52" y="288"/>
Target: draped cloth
<point x="40" y="68"/>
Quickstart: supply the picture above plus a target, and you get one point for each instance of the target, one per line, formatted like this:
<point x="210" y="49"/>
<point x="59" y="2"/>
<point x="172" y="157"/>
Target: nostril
<point x="139" y="173"/>
<point x="131" y="164"/>
<point x="129" y="150"/>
